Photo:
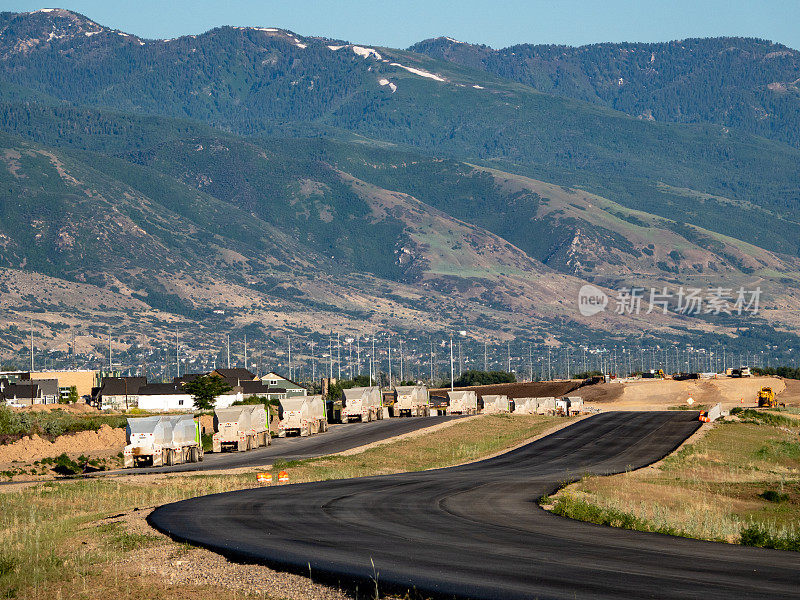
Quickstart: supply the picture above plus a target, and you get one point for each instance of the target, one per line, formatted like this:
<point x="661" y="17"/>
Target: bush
<point x="773" y="496"/>
<point x="758" y="536"/>
<point x="52" y="423"/>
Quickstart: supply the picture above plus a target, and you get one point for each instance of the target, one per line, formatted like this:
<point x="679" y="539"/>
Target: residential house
<point x="20" y="394"/>
<point x="274" y="380"/>
<point x="119" y="393"/>
<point x="164" y="397"/>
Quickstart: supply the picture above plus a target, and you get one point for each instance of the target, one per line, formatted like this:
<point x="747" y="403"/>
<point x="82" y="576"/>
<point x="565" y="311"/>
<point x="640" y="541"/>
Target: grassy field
<point x="740" y="483"/>
<point x="57" y="541"/>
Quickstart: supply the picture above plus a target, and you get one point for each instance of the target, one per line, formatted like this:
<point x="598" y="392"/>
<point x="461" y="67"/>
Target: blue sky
<point x="400" y="23"/>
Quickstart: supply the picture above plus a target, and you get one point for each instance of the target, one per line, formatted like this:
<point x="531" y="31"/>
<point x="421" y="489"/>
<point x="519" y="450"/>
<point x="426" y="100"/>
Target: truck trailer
<point x="462" y="403"/>
<point x="362" y="404"/>
<point x="162" y="441"/>
<point x="524" y="406"/>
<point x="303" y="415"/>
<point x="412" y="401"/>
<point x="495" y="403"/>
<point x="240" y="428"/>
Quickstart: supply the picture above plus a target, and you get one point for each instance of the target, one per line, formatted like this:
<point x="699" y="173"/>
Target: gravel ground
<point x="181" y="564"/>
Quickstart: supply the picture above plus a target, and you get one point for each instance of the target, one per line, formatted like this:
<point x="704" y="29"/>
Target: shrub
<point x="759" y="536"/>
<point x="773" y="496"/>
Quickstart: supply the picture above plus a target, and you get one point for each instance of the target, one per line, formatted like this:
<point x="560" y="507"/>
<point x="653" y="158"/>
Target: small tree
<point x="72" y="397"/>
<point x="205" y="389"/>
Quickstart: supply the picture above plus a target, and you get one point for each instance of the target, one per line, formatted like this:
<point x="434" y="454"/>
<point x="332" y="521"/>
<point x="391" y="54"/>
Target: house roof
<point x="162" y="389"/>
<point x="187" y="377"/>
<point x="25" y="390"/>
<point x="49" y="387"/>
<point x="274" y="375"/>
<point x="259" y="387"/>
<point x="235" y="374"/>
<point x="121" y="386"/>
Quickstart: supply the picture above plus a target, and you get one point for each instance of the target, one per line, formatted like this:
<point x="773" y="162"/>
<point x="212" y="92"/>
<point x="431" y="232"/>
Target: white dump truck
<point x="462" y="403"/>
<point x="496" y="403"/>
<point x="575" y="404"/>
<point x="303" y="415"/>
<point x="545" y="406"/>
<point x="162" y="441"/>
<point x="412" y="401"/>
<point x="525" y="406"/>
<point x="240" y="428"/>
<point x="362" y="404"/>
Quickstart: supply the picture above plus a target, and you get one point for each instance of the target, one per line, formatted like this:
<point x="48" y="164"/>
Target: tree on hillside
<point x="205" y="390"/>
<point x="470" y="378"/>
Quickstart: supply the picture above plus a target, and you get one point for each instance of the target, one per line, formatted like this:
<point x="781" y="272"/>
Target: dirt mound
<point x="532" y="389"/>
<point x="601" y="392"/>
<point x="35" y="448"/>
<point x="79" y="407"/>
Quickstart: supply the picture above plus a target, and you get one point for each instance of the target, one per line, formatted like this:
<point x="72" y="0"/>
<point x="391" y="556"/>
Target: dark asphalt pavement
<point x="475" y="531"/>
<point x="338" y="438"/>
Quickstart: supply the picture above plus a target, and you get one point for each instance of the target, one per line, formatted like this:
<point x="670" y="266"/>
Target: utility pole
<point x="485" y="357"/>
<point x="431" y="360"/>
<point x="229" y="350"/>
<point x="245" y="350"/>
<point x="358" y="356"/>
<point x="390" y="360"/>
<point x="451" y="363"/>
<point x="375" y="371"/>
<point x="530" y="360"/>
<point x="330" y="356"/>
<point x="177" y="355"/>
<point x="509" y="355"/>
<point x="401" y="361"/>
<point x="289" y="344"/>
<point x="460" y="360"/>
<point x="31" y="344"/>
<point x="338" y="356"/>
<point x="549" y="374"/>
<point x="313" y="363"/>
<point x="109" y="350"/>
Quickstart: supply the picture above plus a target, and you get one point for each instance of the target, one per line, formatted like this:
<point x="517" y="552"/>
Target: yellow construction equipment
<point x="766" y="398"/>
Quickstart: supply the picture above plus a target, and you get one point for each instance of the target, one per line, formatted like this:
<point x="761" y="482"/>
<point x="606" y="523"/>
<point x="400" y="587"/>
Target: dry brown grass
<point x="710" y="489"/>
<point x="58" y="542"/>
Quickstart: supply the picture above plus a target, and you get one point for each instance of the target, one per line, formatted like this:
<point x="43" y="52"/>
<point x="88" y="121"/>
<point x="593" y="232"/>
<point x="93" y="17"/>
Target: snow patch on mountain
<point x="366" y="52"/>
<point x="335" y="48"/>
<point x="479" y="87"/>
<point x="419" y="72"/>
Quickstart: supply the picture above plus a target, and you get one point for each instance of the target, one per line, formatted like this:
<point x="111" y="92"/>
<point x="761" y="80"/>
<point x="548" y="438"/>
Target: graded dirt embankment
<point x="657" y="394"/>
<point x="32" y="448"/>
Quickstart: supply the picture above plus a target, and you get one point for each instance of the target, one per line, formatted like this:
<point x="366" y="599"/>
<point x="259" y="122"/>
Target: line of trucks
<point x="165" y="440"/>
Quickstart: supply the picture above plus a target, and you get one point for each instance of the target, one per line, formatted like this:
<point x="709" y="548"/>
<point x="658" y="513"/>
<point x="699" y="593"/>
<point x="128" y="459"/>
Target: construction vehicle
<point x="362" y="404"/>
<point x="412" y="401"/>
<point x="240" y="428"/>
<point x="162" y="441"/>
<point x="303" y="416"/>
<point x="437" y="405"/>
<point x="766" y="398"/>
<point x="525" y="406"/>
<point x="388" y="401"/>
<point x="495" y="403"/>
<point x="462" y="403"/>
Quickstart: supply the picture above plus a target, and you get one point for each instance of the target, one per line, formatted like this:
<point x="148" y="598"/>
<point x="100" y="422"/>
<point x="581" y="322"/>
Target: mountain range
<point x="257" y="180"/>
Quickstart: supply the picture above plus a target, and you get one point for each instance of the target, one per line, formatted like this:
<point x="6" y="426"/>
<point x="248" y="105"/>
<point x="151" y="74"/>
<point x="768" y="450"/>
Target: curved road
<point x="475" y="531"/>
<point x="338" y="438"/>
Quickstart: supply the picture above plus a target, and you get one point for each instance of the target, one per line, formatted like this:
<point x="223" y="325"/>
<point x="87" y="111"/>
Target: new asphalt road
<point x="338" y="438"/>
<point x="475" y="531"/>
